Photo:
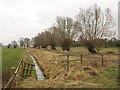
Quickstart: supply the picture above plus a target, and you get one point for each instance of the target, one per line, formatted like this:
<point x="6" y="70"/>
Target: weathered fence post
<point x="67" y="62"/>
<point x="102" y="60"/>
<point x="31" y="69"/>
<point x="27" y="70"/>
<point x="21" y="69"/>
<point x="12" y="71"/>
<point x="81" y="58"/>
<point x="24" y="70"/>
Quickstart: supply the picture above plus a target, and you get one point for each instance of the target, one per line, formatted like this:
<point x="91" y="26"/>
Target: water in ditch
<point x="39" y="73"/>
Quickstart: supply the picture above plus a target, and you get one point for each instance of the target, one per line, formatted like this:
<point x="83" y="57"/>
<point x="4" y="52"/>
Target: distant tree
<point x="52" y="37"/>
<point x="43" y="39"/>
<point x="105" y="41"/>
<point x="93" y="25"/>
<point x="27" y="41"/>
<point x="15" y="44"/>
<point x="113" y="42"/>
<point x="9" y="45"/>
<point x="21" y="42"/>
<point x="46" y="38"/>
<point x="36" y="40"/>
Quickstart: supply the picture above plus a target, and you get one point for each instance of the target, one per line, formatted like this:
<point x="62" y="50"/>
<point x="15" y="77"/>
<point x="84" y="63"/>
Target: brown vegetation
<point x="57" y="75"/>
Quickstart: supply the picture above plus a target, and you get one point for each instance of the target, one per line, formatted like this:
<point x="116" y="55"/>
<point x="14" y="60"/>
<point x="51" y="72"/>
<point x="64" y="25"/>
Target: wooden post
<point x="67" y="62"/>
<point x="12" y="71"/>
<point x="31" y="69"/>
<point x="27" y="70"/>
<point x="81" y="58"/>
<point x="21" y="69"/>
<point x="24" y="70"/>
<point x="102" y="60"/>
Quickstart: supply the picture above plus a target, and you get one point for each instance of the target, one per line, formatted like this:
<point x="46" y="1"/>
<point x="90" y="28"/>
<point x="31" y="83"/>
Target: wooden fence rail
<point x="23" y="70"/>
<point x="101" y="60"/>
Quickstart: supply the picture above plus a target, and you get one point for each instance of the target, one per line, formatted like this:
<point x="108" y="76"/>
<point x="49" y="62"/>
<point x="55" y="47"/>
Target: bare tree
<point x="36" y="41"/>
<point x="52" y="37"/>
<point x="15" y="44"/>
<point x="67" y="33"/>
<point x="27" y="41"/>
<point x="94" y="25"/>
<point x="21" y="42"/>
<point x="48" y="37"/>
<point x="9" y="45"/>
<point x="42" y="40"/>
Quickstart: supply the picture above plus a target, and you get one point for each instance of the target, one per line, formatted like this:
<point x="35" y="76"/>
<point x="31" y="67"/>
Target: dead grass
<point x="58" y="77"/>
<point x="53" y="83"/>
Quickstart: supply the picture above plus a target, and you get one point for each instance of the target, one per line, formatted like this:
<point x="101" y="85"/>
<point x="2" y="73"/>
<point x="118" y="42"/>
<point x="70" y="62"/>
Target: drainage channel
<point x="39" y="73"/>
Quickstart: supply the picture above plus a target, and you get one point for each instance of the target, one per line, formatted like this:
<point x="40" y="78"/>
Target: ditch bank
<point x="56" y="75"/>
<point x="39" y="72"/>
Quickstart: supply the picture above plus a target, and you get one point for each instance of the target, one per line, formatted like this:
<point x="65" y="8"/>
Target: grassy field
<point x="84" y="49"/>
<point x="11" y="58"/>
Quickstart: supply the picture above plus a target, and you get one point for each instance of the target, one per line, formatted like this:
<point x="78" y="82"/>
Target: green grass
<point x="111" y="72"/>
<point x="74" y="49"/>
<point x="114" y="49"/>
<point x="108" y="77"/>
<point x="84" y="49"/>
<point x="11" y="57"/>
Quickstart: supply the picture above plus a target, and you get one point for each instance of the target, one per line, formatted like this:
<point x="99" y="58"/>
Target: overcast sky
<point x="26" y="18"/>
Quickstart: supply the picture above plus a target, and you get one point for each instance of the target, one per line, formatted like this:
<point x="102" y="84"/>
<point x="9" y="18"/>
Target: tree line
<point x="23" y="42"/>
<point x="89" y="28"/>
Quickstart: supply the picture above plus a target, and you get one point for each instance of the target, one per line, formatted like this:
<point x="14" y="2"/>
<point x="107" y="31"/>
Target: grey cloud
<point x="25" y="18"/>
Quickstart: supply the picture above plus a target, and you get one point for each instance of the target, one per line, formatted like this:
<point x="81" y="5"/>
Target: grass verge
<point x="11" y="58"/>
